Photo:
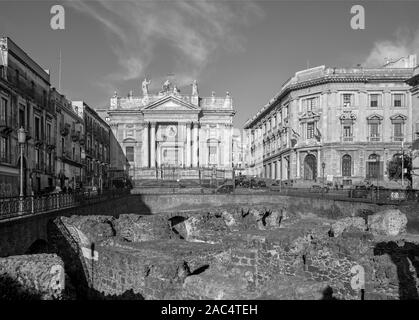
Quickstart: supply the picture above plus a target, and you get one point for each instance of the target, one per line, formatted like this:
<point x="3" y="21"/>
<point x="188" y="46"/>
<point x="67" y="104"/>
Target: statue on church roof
<point x="166" y="86"/>
<point x="194" y="88"/>
<point x="176" y="90"/>
<point x="145" y="85"/>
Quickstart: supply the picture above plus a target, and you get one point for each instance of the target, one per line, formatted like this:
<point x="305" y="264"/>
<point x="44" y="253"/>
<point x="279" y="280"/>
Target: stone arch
<point x="346" y="165"/>
<point x="310" y="167"/>
<point x="374" y="166"/>
<point x="38" y="246"/>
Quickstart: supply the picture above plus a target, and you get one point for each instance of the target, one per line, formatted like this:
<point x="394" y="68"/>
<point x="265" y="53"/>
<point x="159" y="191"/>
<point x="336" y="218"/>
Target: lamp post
<point x="402" y="162"/>
<point x="323" y="166"/>
<point x="21" y="138"/>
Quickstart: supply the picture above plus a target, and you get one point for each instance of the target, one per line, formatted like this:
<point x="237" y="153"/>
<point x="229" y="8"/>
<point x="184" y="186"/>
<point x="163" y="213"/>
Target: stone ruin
<point x="258" y="252"/>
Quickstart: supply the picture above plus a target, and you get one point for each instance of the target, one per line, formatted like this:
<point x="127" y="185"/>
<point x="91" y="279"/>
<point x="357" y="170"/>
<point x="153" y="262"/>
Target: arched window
<point x="346" y="165"/>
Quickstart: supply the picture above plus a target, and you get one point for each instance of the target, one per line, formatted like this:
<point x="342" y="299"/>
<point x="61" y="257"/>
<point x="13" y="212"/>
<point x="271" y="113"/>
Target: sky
<point x="249" y="48"/>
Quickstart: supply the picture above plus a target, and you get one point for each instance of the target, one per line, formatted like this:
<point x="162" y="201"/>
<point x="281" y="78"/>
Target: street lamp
<point x="323" y="166"/>
<point x="402" y="162"/>
<point x="21" y="138"/>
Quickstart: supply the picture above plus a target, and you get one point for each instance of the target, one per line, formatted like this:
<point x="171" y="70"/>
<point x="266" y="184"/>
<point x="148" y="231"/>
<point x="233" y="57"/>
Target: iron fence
<point x="11" y="207"/>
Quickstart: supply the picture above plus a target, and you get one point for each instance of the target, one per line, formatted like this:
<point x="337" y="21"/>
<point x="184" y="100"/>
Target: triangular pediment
<point x="171" y="103"/>
<point x="309" y="115"/>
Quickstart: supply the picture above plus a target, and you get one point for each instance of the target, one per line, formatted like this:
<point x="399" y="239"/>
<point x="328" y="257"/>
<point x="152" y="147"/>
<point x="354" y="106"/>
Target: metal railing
<point x="11" y="207"/>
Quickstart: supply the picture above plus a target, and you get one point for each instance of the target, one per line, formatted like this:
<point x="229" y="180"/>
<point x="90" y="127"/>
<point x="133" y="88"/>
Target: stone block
<point x="354" y="223"/>
<point x="391" y="222"/>
<point x="32" y="277"/>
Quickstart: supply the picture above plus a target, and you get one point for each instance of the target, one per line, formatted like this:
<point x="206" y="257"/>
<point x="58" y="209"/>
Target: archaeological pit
<point x="228" y="252"/>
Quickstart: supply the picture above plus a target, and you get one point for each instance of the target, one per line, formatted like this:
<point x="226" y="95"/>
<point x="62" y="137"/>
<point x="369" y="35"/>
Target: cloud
<point x="194" y="31"/>
<point x="405" y="43"/>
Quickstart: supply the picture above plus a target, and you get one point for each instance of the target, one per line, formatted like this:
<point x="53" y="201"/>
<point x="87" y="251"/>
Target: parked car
<point x="360" y="191"/>
<point x="319" y="188"/>
<point x="276" y="186"/>
<point x="90" y="191"/>
<point x="225" y="188"/>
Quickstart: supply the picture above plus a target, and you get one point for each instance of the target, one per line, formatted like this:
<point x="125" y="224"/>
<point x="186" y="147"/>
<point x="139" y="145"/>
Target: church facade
<point x="169" y="135"/>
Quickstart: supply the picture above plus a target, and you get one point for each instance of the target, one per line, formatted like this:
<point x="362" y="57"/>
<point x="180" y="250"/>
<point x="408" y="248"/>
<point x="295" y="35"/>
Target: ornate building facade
<point x="414" y="83"/>
<point x="70" y="143"/>
<point x="24" y="102"/>
<point x="96" y="155"/>
<point x="335" y="124"/>
<point x="167" y="130"/>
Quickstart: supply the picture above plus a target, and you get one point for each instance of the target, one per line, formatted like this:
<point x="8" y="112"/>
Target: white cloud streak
<point x="195" y="30"/>
<point x="403" y="44"/>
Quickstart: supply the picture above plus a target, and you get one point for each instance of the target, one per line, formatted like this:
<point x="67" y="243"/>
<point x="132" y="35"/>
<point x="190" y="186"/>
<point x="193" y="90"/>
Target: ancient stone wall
<point x="235" y="252"/>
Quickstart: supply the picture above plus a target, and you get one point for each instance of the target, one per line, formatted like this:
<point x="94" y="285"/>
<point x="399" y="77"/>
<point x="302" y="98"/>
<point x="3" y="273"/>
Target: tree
<point x="395" y="167"/>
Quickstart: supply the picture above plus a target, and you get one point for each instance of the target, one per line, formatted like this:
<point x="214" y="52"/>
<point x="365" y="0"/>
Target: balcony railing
<point x="6" y="124"/>
<point x="397" y="138"/>
<point x="374" y="138"/>
<point x="16" y="207"/>
<point x="347" y="139"/>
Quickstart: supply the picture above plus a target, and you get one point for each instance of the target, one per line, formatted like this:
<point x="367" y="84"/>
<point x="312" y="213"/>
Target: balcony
<point x="38" y="166"/>
<point x="397" y="138"/>
<point x="82" y="139"/>
<point x="374" y="138"/>
<point x="6" y="157"/>
<point x="49" y="169"/>
<point x="75" y="135"/>
<point x="38" y="140"/>
<point x="348" y="139"/>
<point x="6" y="126"/>
<point x="64" y="131"/>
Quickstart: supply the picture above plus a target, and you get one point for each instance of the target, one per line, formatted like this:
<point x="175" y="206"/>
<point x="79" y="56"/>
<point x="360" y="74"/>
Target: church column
<point x="227" y="146"/>
<point x="319" y="165"/>
<point x="153" y="145"/>
<point x="188" y="144"/>
<point x="195" y="145"/>
<point x="145" y="145"/>
<point x="298" y="164"/>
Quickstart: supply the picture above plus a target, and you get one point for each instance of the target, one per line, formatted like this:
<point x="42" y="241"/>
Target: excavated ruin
<point x="258" y="252"/>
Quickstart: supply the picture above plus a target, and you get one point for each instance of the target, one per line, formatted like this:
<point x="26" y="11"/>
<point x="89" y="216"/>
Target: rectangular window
<point x="129" y="152"/>
<point x="398" y="131"/>
<point x="49" y="133"/>
<point x="4" y="156"/>
<point x="310" y="104"/>
<point x="375" y="100"/>
<point x="374" y="132"/>
<point x="285" y="111"/>
<point x="3" y="110"/>
<point x="17" y="77"/>
<point x="37" y="128"/>
<point x="347" y="131"/>
<point x="347" y="99"/>
<point x="212" y="155"/>
<point x="22" y="116"/>
<point x="398" y="100"/>
<point x="310" y="130"/>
